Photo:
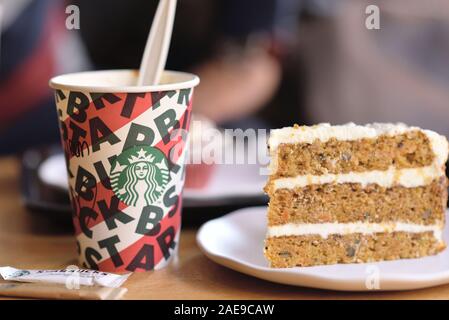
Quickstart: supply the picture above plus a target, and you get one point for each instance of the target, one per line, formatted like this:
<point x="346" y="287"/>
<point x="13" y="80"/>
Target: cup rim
<point x="61" y="82"/>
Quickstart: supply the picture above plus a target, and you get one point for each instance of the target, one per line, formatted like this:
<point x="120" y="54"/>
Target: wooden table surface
<point x="32" y="241"/>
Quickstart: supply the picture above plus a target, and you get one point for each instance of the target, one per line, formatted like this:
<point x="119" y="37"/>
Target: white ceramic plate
<point x="227" y="181"/>
<point x="236" y="241"/>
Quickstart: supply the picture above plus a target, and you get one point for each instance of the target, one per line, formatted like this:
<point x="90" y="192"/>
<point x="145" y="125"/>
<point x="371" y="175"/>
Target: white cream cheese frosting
<point x="409" y="178"/>
<point x="326" y="229"/>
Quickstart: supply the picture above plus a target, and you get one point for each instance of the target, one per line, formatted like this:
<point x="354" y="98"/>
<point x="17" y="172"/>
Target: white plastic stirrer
<point x="158" y="43"/>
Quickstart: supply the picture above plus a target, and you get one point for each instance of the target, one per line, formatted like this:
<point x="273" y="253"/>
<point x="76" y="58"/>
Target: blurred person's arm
<point x="234" y="87"/>
<point x="242" y="76"/>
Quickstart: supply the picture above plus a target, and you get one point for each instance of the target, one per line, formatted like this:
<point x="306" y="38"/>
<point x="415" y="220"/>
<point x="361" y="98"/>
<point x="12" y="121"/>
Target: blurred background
<point x="263" y="63"/>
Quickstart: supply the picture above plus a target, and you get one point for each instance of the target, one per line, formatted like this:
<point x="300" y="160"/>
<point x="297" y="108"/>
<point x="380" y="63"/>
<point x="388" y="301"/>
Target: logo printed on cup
<point x="140" y="175"/>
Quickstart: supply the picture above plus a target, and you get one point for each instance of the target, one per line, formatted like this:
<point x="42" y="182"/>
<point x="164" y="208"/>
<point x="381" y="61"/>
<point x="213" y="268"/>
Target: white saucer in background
<point x="230" y="181"/>
<point x="53" y="172"/>
<point x="237" y="239"/>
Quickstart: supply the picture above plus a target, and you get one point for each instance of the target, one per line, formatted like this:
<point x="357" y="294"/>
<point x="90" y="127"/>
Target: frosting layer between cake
<point x="326" y="229"/>
<point x="409" y="178"/>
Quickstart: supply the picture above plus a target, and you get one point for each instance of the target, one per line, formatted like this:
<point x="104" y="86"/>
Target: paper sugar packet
<point x="68" y="277"/>
<point x="60" y="292"/>
<point x="63" y="283"/>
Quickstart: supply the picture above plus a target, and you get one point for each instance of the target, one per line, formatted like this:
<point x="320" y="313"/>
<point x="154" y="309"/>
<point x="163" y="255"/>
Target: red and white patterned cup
<point x="125" y="150"/>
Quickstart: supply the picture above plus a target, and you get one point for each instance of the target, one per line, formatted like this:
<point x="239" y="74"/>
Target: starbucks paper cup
<point x="125" y="150"/>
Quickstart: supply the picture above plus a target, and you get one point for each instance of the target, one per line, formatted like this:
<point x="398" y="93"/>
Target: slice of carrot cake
<point x="351" y="194"/>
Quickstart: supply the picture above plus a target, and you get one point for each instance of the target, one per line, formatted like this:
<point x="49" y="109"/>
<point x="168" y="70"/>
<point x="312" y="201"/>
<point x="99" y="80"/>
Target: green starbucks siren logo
<point x="139" y="175"/>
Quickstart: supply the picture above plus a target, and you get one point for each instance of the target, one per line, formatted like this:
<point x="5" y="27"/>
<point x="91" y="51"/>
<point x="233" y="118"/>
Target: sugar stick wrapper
<point x="60" y="292"/>
<point x="71" y="278"/>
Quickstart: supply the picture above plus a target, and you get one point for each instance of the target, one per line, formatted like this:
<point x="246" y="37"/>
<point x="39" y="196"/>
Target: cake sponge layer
<point x="310" y="250"/>
<point x="350" y="202"/>
<point x="408" y="150"/>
